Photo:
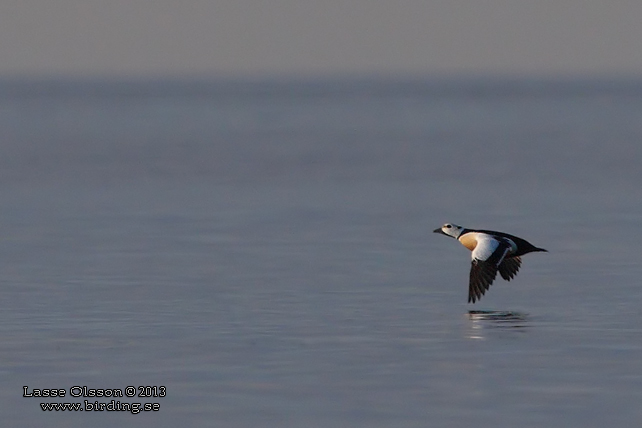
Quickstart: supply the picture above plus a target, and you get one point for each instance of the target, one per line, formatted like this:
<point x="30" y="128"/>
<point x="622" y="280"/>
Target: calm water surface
<point x="264" y="252"/>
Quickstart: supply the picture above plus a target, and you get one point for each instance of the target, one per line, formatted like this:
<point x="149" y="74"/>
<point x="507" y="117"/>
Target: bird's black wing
<point x="509" y="266"/>
<point x="483" y="272"/>
<point x="482" y="275"/>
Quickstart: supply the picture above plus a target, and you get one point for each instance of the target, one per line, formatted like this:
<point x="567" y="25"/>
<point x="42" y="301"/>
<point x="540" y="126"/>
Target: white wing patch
<point x="486" y="246"/>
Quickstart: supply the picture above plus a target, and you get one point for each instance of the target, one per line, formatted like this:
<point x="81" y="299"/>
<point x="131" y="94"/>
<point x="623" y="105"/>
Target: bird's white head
<point x="450" y="229"/>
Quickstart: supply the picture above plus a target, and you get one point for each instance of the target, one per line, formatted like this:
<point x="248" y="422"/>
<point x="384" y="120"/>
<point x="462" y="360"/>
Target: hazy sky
<point x="307" y="37"/>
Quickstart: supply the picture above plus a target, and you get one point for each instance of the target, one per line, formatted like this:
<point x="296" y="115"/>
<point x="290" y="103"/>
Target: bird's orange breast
<point x="468" y="240"/>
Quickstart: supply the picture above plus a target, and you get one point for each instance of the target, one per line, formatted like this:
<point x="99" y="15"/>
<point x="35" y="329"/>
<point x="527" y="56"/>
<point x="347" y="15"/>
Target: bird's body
<point x="492" y="252"/>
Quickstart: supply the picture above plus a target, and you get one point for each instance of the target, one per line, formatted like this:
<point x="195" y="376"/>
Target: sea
<point x="260" y="253"/>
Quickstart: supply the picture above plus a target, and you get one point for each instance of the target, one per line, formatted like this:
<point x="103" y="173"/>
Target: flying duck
<point x="492" y="252"/>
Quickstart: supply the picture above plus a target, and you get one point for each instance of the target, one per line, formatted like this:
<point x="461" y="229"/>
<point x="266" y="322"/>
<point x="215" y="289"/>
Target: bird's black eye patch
<point x="448" y="226"/>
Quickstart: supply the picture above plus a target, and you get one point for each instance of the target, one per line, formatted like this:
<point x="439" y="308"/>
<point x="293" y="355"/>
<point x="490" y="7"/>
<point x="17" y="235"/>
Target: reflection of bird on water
<point x="483" y="323"/>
